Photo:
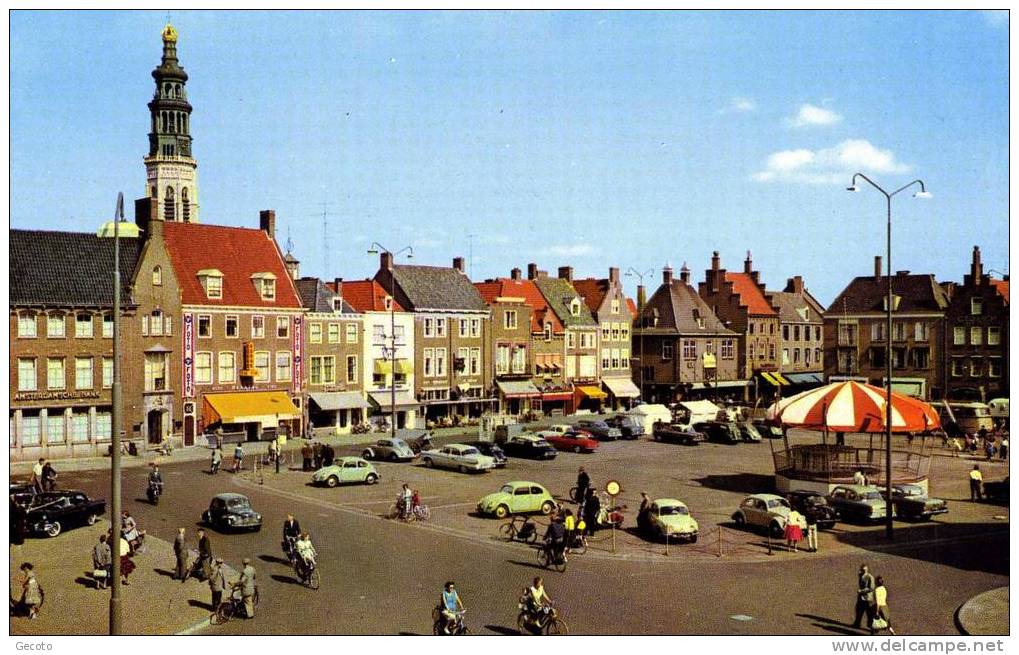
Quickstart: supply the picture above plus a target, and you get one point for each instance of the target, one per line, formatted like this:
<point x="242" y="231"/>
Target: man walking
<point x="865" y="603"/>
<point x="217" y="583"/>
<point x="316" y="453"/>
<point x="204" y="552"/>
<point x="37" y="475"/>
<point x="976" y="479"/>
<point x="306" y="455"/>
<point x="180" y="551"/>
<point x="247" y="585"/>
<point x="811" y="519"/>
<point x="102" y="562"/>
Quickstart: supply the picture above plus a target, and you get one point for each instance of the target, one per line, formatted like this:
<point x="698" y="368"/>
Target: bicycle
<point x="195" y="569"/>
<point x="309" y="576"/>
<point x="547" y="622"/>
<point x="526" y="531"/>
<point x="550" y="558"/>
<point x="284" y="459"/>
<point x="576" y="543"/>
<point x="231" y="606"/>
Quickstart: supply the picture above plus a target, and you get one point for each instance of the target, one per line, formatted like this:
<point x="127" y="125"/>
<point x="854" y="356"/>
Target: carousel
<point x="844" y="413"/>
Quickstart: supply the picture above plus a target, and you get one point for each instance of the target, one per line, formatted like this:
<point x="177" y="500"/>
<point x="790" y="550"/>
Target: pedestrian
<point x="37" y="475"/>
<point x="307" y="452"/>
<point x="274" y="451"/>
<point x="406" y="501"/>
<point x="793" y="530"/>
<point x="592" y="506"/>
<point x="180" y="552"/>
<point x="316" y="454"/>
<point x="1003" y="450"/>
<point x="204" y="552"/>
<point x="858" y="477"/>
<point x="126" y="565"/>
<point x="217" y="459"/>
<point x="328" y="455"/>
<point x="583" y="482"/>
<point x="864" y="597"/>
<point x="569" y="525"/>
<point x="882" y="617"/>
<point x="247" y="585"/>
<point x="49" y="477"/>
<point x="217" y="582"/>
<point x="238" y="457"/>
<point x="976" y="479"/>
<point x="31" y="590"/>
<point x="102" y="562"/>
<point x="811" y="519"/>
<point x="989" y="448"/>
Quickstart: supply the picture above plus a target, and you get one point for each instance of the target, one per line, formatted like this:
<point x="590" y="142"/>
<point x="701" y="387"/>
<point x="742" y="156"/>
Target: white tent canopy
<point x="648" y="414"/>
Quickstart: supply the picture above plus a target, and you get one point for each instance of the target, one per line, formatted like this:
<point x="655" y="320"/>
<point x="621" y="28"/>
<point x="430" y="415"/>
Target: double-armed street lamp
<point x="924" y="194"/>
<point x="375" y="249"/>
<point x="632" y="272"/>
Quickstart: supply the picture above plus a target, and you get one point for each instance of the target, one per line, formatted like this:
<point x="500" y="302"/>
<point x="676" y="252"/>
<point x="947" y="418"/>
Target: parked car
<point x="50" y="512"/>
<point x="675" y="433"/>
<point x="394" y="450"/>
<point x="345" y="470"/>
<point x="719" y="431"/>
<point x="530" y="446"/>
<point x="459" y="457"/>
<point x="628" y="426"/>
<point x="232" y="511"/>
<point x="493" y="450"/>
<point x="420" y="442"/>
<point x="748" y="432"/>
<point x="767" y="429"/>
<point x="996" y="490"/>
<point x="517" y="497"/>
<point x="910" y="501"/>
<point x="811" y="503"/>
<point x="766" y="511"/>
<point x="578" y="442"/>
<point x="599" y="429"/>
<point x="858" y="502"/>
<point x="668" y="517"/>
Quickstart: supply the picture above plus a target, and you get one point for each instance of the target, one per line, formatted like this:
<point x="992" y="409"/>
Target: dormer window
<point x="265" y="285"/>
<point x="548" y="331"/>
<point x="388" y="303"/>
<point x="337" y="304"/>
<point x="615" y="305"/>
<point x="575" y="307"/>
<point x="157" y="276"/>
<point x="212" y="282"/>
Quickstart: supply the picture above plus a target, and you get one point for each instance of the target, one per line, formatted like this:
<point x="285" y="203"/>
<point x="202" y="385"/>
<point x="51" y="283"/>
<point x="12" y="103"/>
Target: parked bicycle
<point x="284" y="459"/>
<point x="232" y="606"/>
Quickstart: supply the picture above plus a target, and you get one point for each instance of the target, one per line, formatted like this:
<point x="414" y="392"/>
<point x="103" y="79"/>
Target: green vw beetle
<point x="346" y="469"/>
<point x="517" y="497"/>
<point x="668" y="518"/>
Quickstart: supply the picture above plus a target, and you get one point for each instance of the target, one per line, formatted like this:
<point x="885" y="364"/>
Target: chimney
<point x="338" y="283"/>
<point x="386" y="261"/>
<point x="903" y="273"/>
<point x="684" y="274"/>
<point x="515" y="274"/>
<point x="566" y="273"/>
<point x="877" y="267"/>
<point x="716" y="268"/>
<point x="641" y="297"/>
<point x="977" y="270"/>
<point x="748" y="264"/>
<point x="146" y="211"/>
<point x="667" y="275"/>
<point x="613" y="275"/>
<point x="794" y="285"/>
<point x="293" y="266"/>
<point x="532" y="271"/>
<point x="458" y="264"/>
<point x="267" y="222"/>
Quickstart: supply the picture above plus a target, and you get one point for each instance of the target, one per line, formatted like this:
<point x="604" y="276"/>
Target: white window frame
<point x="263" y="373"/>
<point x="993" y="335"/>
<point x="464" y="327"/>
<point x="314" y="332"/>
<point x="518" y="359"/>
<point x="510" y="319"/>
<point x="56" y="428"/>
<point x="959" y="336"/>
<point x="429" y="327"/>
<point x="107" y="372"/>
<point x="976" y="336"/>
<point x="350" y="330"/>
<point x="237" y="326"/>
<point x="976" y="306"/>
<point x="230" y="369"/>
<point x="54" y="382"/>
<point x="282" y="327"/>
<point x="474" y="362"/>
<point x="52" y="323"/>
<point x="475" y="328"/>
<point x="428" y="359"/>
<point x="502" y="358"/>
<point x="80" y="380"/>
<point x="198" y="326"/>
<point x="213" y="285"/>
<point x="440" y="327"/>
<point x="199" y="356"/>
<point x="440" y="362"/>
<point x="24" y="321"/>
<point x="333" y="333"/>
<point x="83" y="329"/>
<point x="351" y="373"/>
<point x="284" y="362"/>
<point x="24" y="383"/>
<point x="257" y="331"/>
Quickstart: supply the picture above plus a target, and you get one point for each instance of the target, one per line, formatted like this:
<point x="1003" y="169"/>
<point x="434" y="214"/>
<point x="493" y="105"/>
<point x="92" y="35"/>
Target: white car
<point x="459" y="457"/>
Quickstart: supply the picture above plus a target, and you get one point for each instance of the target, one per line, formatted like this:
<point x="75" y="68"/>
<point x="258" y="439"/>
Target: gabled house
<point x="801" y="320"/>
<point x="548" y="345"/>
<point x="509" y="346"/>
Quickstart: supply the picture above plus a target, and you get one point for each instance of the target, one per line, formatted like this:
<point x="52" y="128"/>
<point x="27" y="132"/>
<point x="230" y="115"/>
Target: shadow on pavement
<point x="285" y="579"/>
<point x="831" y="625"/>
<point x="749" y="483"/>
<point x="87" y="582"/>
<point x="503" y="630"/>
<point x="274" y="560"/>
<point x="200" y="605"/>
<point x="164" y="572"/>
<point x="533" y="565"/>
<point x="914" y="542"/>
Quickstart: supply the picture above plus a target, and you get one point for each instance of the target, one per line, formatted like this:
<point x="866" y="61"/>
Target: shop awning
<point x="721" y="384"/>
<point x="621" y="387"/>
<point x="556" y="395"/>
<point x="383" y="400"/>
<point x="781" y="379"/>
<point x="263" y="407"/>
<point x="338" y="400"/>
<point x="383" y="367"/>
<point x="594" y="393"/>
<point x="518" y="388"/>
<point x="554" y="361"/>
<point x="774" y="379"/>
<point x="804" y="378"/>
<point x="404" y="367"/>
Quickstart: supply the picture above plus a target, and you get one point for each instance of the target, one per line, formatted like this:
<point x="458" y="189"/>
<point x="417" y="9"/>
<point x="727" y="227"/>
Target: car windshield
<point x="870" y="495"/>
<point x="399" y="443"/>
<point x="542" y="443"/>
<point x="911" y="491"/>
<point x="469" y="451"/>
<point x="778" y="502"/>
<point x="506" y="489"/>
<point x="670" y="510"/>
<point x="815" y="500"/>
<point x="238" y="503"/>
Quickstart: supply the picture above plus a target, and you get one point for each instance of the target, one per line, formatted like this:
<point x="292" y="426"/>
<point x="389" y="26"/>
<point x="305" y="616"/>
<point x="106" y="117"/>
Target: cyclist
<point x="406" y="501"/>
<point x="238" y="457"/>
<point x="291" y="532"/>
<point x="306" y="551"/>
<point x="538" y="601"/>
<point x="555" y="538"/>
<point x="450" y="605"/>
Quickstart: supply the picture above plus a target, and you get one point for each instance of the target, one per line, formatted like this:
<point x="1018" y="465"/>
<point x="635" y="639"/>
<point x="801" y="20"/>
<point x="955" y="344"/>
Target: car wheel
<point x="577" y="449"/>
<point x="367" y="454"/>
<point x="462" y="468"/>
<point x="257" y="528"/>
<point x="332" y="481"/>
<point x="428" y="462"/>
<point x="777" y="531"/>
<point x="657" y="437"/>
<point x="392" y="457"/>
<point x="53" y="529"/>
<point x="501" y="512"/>
<point x="547" y="507"/>
<point x="92" y="518"/>
<point x="739" y="520"/>
<point x="371" y="479"/>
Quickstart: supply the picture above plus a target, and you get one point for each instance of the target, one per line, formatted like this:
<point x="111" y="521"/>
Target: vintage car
<point x="719" y="431"/>
<point x="767" y="429"/>
<point x="628" y="426"/>
<point x="345" y="470"/>
<point x="578" y="442"/>
<point x="668" y="517"/>
<point x="811" y="503"/>
<point x="530" y="446"/>
<point x="393" y="450"/>
<point x="748" y="432"/>
<point x="493" y="450"/>
<point x="50" y="512"/>
<point x="676" y="433"/>
<point x="766" y="511"/>
<point x="517" y="497"/>
<point x="858" y="502"/>
<point x="910" y="501"/>
<point x="232" y="511"/>
<point x="996" y="490"/>
<point x="459" y="457"/>
<point x="599" y="429"/>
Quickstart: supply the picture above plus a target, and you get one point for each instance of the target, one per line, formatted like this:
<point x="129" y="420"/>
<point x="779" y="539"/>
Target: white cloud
<point x="739" y="104"/>
<point x="813" y="115"/>
<point x="996" y="17"/>
<point x="829" y="165"/>
<point x="569" y="250"/>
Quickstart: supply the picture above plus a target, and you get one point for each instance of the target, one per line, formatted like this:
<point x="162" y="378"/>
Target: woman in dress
<point x="31" y="592"/>
<point x="793" y="530"/>
<point x="883" y="618"/>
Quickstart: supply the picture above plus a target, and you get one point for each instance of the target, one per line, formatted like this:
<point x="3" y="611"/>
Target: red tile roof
<point x="237" y="253"/>
<point x="632" y="306"/>
<point x="593" y="291"/>
<point x="750" y="295"/>
<point x="1002" y="287"/>
<point x="365" y="295"/>
<point x="509" y="288"/>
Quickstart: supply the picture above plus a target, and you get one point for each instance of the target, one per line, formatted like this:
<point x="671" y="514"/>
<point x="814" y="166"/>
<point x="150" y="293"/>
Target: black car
<point x="492" y="450"/>
<point x="719" y="431"/>
<point x="811" y="503"/>
<point x="630" y="427"/>
<point x="767" y="429"/>
<point x="529" y="446"/>
<point x="231" y="511"/>
<point x="677" y="434"/>
<point x="51" y="511"/>
<point x="910" y="501"/>
<point x="996" y="490"/>
<point x="599" y="430"/>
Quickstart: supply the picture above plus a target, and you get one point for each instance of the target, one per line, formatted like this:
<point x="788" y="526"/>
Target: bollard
<point x="277" y="463"/>
<point x="719" y="541"/>
<point x="769" y="542"/>
<point x="666" y="542"/>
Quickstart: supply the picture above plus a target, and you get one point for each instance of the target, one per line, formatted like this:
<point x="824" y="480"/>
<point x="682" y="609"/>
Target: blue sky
<point x="593" y="139"/>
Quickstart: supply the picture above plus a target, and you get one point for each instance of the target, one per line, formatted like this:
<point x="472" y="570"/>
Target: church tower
<point x="171" y="170"/>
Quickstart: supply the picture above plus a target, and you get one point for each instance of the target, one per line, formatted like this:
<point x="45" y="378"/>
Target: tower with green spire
<point x="171" y="170"/>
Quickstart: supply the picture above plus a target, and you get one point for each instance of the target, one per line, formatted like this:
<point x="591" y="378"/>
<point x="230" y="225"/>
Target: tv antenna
<point x="325" y="214"/>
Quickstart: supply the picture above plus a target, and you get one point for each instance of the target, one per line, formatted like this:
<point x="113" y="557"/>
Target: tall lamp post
<point x="375" y="248"/>
<point x="632" y="272"/>
<point x="117" y="419"/>
<point x="922" y="193"/>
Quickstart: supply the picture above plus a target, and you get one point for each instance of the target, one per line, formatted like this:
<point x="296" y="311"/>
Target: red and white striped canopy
<point x="853" y="407"/>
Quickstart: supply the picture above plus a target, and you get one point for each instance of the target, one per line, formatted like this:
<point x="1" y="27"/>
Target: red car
<point x="578" y="442"/>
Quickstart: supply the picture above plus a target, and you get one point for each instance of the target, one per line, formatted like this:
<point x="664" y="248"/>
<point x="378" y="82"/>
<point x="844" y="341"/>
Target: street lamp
<point x="375" y="248"/>
<point x="116" y="420"/>
<point x="923" y="194"/>
<point x="632" y="272"/>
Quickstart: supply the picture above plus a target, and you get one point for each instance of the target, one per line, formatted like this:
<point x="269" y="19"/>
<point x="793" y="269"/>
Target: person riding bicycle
<point x="238" y="457"/>
<point x="306" y="551"/>
<point x="217" y="459"/>
<point x="450" y="605"/>
<point x="405" y="501"/>
<point x="291" y="533"/>
<point x="538" y="602"/>
<point x="156" y="480"/>
<point x="555" y="538"/>
<point x="569" y="525"/>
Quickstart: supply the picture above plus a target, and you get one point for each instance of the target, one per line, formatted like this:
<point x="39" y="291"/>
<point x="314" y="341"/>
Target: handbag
<point x="879" y="624"/>
<point x="99" y="573"/>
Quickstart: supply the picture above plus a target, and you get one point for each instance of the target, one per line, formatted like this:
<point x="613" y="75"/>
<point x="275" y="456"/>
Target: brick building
<point x="801" y="319"/>
<point x="509" y="344"/>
